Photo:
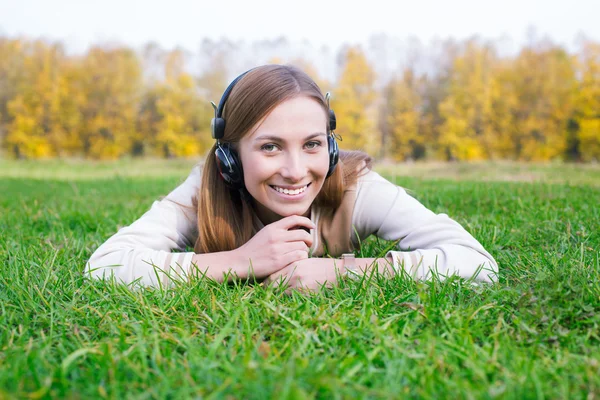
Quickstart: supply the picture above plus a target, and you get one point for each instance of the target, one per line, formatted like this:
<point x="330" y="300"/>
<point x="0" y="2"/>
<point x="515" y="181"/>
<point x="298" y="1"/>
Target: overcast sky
<point x="79" y="23"/>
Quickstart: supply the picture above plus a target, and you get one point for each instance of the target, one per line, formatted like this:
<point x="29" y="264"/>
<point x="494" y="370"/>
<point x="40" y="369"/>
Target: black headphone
<point x="228" y="162"/>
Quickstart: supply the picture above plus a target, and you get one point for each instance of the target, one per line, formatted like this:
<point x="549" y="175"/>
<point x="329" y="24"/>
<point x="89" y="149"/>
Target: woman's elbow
<point x="96" y="269"/>
<point x="487" y="271"/>
<point x="473" y="264"/>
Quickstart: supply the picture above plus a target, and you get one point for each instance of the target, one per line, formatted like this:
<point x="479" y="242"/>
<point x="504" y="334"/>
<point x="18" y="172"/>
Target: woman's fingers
<point x="294" y="256"/>
<point x="294" y="246"/>
<point x="298" y="235"/>
<point x="294" y="221"/>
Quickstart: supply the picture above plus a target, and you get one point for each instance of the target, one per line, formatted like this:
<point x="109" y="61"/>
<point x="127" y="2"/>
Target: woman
<point x="276" y="202"/>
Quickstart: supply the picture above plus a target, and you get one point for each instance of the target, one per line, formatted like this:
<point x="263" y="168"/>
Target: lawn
<point x="535" y="334"/>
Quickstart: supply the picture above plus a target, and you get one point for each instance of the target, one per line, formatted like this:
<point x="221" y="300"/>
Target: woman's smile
<point x="291" y="193"/>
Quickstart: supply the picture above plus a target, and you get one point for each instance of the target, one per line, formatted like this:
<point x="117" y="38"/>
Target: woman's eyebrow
<point x="278" y="139"/>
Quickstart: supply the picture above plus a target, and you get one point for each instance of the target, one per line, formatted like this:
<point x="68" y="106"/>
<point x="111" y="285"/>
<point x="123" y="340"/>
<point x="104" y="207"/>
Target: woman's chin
<point x="289" y="211"/>
<point x="274" y="210"/>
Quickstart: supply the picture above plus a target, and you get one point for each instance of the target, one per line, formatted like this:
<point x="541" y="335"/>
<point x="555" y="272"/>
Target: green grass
<point x="532" y="335"/>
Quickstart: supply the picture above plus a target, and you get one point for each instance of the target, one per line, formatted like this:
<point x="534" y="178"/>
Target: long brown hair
<point x="225" y="220"/>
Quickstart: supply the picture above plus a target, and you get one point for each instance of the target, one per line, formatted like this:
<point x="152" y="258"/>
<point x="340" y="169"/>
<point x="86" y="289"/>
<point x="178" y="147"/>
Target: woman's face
<point x="285" y="159"/>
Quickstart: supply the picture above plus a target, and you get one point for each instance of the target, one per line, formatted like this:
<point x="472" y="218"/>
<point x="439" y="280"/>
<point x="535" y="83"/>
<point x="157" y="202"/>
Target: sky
<point x="171" y="23"/>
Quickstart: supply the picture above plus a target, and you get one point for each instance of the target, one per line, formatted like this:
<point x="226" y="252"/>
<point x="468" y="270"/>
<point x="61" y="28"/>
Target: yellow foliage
<point x="589" y="139"/>
<point x="587" y="112"/>
<point x="354" y="98"/>
<point x="181" y="117"/>
<point x="545" y="83"/>
<point x="402" y="118"/>
<point x="467" y="110"/>
<point x="542" y="104"/>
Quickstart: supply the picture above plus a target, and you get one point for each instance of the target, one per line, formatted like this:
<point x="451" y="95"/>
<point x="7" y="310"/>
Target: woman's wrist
<point x="349" y="267"/>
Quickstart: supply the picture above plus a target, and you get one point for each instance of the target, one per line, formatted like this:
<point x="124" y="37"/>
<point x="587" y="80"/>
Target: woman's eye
<point x="269" y="148"/>
<point x="313" y="145"/>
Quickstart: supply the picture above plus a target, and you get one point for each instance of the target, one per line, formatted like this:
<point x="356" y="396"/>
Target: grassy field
<point x="535" y="334"/>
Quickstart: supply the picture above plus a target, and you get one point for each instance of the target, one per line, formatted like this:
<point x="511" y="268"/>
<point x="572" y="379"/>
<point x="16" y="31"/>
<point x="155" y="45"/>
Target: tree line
<point x="542" y="103"/>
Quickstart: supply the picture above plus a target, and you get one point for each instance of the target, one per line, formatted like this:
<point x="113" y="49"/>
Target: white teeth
<point x="291" y="192"/>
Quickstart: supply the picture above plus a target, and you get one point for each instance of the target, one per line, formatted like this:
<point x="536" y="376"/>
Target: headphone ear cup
<point x="334" y="154"/>
<point x="229" y="166"/>
<point x="332" y="121"/>
<point x="217" y="128"/>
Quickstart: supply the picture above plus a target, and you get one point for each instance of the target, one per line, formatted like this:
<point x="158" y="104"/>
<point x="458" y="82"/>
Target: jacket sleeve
<point x="427" y="242"/>
<point x="143" y="250"/>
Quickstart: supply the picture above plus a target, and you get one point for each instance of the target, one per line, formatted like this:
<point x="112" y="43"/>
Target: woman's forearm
<point x="384" y="265"/>
<point x="219" y="265"/>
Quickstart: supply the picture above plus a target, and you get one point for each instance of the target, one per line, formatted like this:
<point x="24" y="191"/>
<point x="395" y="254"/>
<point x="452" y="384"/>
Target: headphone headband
<point x="218" y="124"/>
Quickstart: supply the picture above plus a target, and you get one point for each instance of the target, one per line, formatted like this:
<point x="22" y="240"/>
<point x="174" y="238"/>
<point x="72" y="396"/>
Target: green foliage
<point x="532" y="335"/>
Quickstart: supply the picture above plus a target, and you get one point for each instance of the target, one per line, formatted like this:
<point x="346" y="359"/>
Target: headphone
<point x="228" y="162"/>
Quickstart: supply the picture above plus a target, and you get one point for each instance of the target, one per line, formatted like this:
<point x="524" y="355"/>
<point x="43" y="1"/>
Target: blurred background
<point x="427" y="80"/>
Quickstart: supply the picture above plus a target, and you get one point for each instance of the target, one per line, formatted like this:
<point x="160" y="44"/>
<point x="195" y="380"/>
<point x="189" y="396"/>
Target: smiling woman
<point x="276" y="167"/>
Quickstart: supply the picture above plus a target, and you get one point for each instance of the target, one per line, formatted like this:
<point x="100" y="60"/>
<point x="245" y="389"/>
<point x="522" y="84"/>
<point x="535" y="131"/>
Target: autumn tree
<point x="111" y="86"/>
<point x="401" y="109"/>
<point x="44" y="119"/>
<point x="176" y="119"/>
<point x="466" y="132"/>
<point x="354" y="100"/>
<point x="587" y="113"/>
<point x="544" y="81"/>
<point x="12" y="78"/>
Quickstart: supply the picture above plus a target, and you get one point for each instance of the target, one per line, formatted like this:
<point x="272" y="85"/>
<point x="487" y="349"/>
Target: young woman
<point x="275" y="201"/>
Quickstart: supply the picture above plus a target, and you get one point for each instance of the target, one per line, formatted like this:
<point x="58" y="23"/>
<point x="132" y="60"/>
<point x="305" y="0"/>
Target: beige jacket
<point x="152" y="246"/>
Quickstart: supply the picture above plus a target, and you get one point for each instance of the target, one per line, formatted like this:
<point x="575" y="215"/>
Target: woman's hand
<point x="311" y="273"/>
<point x="275" y="246"/>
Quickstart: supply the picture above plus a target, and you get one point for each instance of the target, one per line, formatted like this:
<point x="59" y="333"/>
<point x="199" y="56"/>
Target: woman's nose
<point x="294" y="168"/>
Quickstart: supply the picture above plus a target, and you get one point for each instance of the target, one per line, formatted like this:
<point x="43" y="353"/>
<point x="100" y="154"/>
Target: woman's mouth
<point x="290" y="192"/>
